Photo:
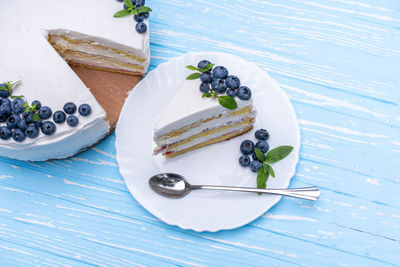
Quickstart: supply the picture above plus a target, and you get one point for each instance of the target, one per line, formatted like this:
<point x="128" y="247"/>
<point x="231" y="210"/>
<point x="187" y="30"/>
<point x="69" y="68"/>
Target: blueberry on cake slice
<point x="46" y="111"/>
<point x="210" y="107"/>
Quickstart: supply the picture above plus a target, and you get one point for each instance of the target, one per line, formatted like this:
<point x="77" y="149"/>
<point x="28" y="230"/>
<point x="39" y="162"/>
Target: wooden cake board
<point x="110" y="89"/>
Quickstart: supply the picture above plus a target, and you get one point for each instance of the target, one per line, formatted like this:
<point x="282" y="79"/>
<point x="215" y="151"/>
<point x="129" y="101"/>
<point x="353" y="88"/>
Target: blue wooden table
<point x="339" y="61"/>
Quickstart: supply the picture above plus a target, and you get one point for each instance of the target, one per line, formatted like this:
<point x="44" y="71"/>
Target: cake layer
<point x="97" y="55"/>
<point x="209" y="123"/>
<point x="100" y="62"/>
<point x="205" y="135"/>
<point x="217" y="139"/>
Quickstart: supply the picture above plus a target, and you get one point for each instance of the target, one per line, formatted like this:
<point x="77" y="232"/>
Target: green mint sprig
<point x="9" y="86"/>
<point x="33" y="108"/>
<point x="196" y="75"/>
<point x="131" y="10"/>
<point x="274" y="155"/>
<point x="224" y="100"/>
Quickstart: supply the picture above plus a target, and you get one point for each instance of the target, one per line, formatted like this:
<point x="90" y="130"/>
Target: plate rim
<point x="270" y="204"/>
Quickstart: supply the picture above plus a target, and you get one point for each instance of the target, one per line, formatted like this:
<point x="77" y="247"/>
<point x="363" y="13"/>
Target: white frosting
<point x="188" y="107"/>
<point x="27" y="56"/>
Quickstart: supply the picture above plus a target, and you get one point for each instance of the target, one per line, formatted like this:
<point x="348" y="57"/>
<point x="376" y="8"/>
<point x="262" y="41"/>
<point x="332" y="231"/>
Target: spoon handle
<point x="309" y="193"/>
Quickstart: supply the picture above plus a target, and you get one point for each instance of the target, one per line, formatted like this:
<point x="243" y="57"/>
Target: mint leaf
<point x="191" y="67"/>
<point x="207" y="68"/>
<point x="35" y="117"/>
<point x="129" y="4"/>
<point x="134" y="12"/>
<point x="259" y="154"/>
<point x="270" y="170"/>
<point x="34" y="107"/>
<point x="206" y="95"/>
<point x="143" y="9"/>
<point x="278" y="153"/>
<point x="262" y="179"/>
<point x="4" y="88"/>
<point x="122" y="13"/>
<point x="193" y="76"/>
<point x="227" y="102"/>
<point x="16" y="96"/>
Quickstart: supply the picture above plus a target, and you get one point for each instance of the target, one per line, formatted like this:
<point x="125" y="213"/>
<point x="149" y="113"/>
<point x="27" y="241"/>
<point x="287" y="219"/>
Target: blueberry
<point x="263" y="146"/>
<point x="38" y="123"/>
<point x="204" y="87"/>
<point x="59" y="116"/>
<point x="22" y="125"/>
<point x="255" y="165"/>
<point x="244" y="161"/>
<point x="120" y="1"/>
<point x="12" y="121"/>
<point x="4" y="93"/>
<point x="244" y="93"/>
<point x="3" y="117"/>
<point x="85" y="110"/>
<point x="45" y="112"/>
<point x="5" y="133"/>
<point x="219" y="86"/>
<point x="231" y="92"/>
<point x="145" y="15"/>
<point x="254" y="156"/>
<point x="28" y="117"/>
<point x="48" y="127"/>
<point x="17" y="106"/>
<point x="37" y="103"/>
<point x="247" y="147"/>
<point x="138" y="18"/>
<point x="206" y="77"/>
<point x="233" y="82"/>
<point x="18" y="135"/>
<point x="5" y="109"/>
<point x="139" y="3"/>
<point x="220" y="72"/>
<point x="202" y="64"/>
<point x="262" y="134"/>
<point x="141" y="27"/>
<point x="72" y="120"/>
<point x="69" y="108"/>
<point x="6" y="101"/>
<point x="32" y="131"/>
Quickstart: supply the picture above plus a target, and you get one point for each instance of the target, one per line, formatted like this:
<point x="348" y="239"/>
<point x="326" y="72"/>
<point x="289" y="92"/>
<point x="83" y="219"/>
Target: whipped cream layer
<point x="188" y="107"/>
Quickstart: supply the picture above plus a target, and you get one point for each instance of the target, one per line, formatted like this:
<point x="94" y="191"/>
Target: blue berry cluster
<point x="18" y="120"/>
<point x="219" y="80"/>
<point x="140" y="12"/>
<point x="247" y="149"/>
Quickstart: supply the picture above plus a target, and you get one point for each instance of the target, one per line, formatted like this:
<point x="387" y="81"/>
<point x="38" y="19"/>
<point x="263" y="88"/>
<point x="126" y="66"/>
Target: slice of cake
<point x="50" y="113"/>
<point x="197" y="118"/>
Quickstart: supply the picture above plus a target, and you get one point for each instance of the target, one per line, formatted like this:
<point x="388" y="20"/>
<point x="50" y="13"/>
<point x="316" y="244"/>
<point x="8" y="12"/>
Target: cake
<point x="196" y="118"/>
<point x="38" y="40"/>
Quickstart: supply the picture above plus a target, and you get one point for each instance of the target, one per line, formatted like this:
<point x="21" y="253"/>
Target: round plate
<point x="216" y="164"/>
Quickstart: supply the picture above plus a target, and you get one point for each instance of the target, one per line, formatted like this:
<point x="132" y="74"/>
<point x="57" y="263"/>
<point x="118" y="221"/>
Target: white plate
<point x="216" y="164"/>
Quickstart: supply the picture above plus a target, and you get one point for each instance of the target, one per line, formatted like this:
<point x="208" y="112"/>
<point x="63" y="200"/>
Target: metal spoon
<point x="174" y="186"/>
